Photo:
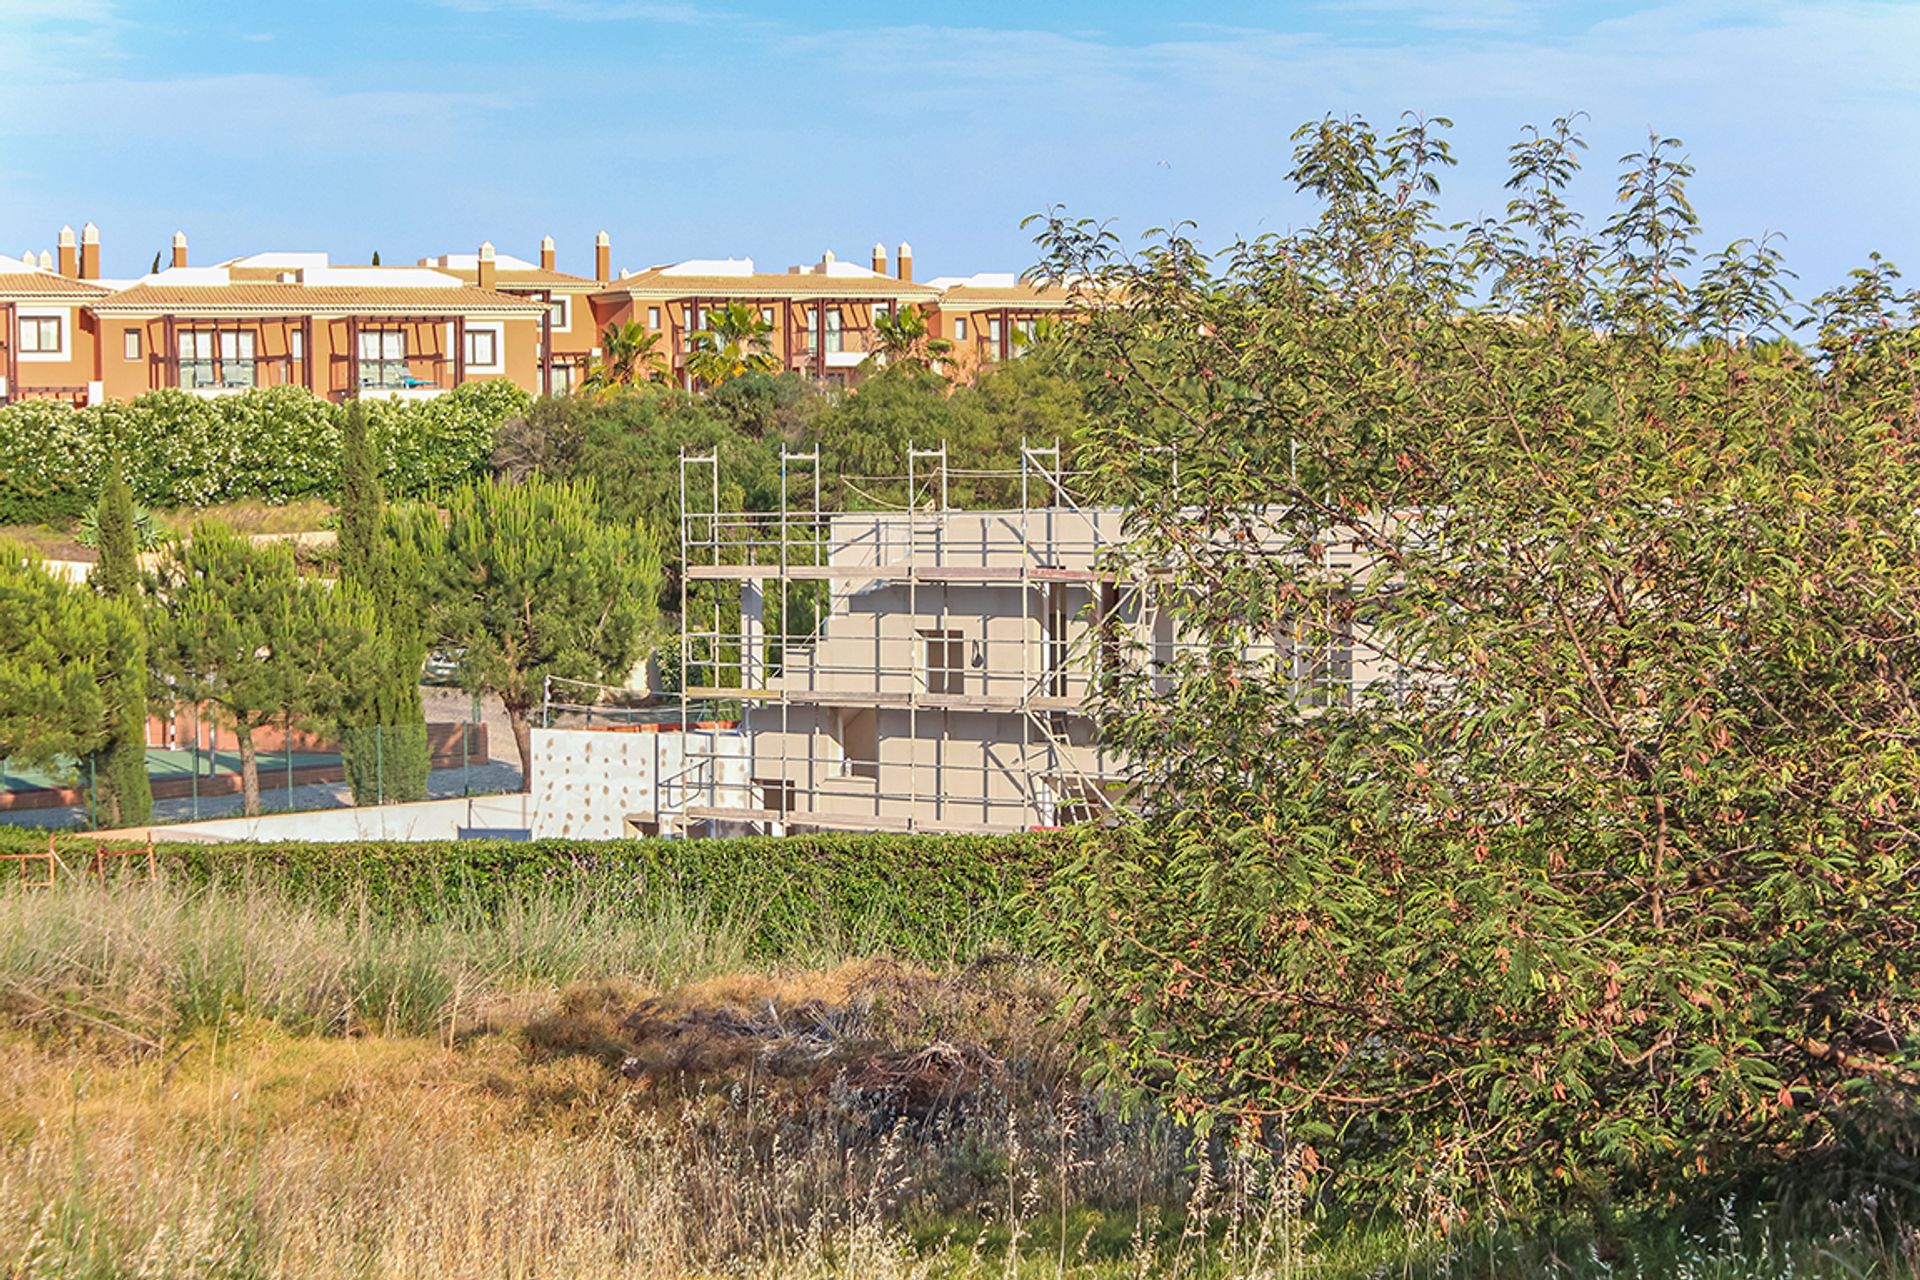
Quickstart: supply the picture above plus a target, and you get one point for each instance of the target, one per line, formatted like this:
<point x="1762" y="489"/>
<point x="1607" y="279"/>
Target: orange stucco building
<point x="339" y="330"/>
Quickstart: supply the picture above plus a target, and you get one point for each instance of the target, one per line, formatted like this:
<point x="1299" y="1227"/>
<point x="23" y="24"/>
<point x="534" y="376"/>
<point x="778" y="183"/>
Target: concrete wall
<point x="590" y="783"/>
<point x="427" y="820"/>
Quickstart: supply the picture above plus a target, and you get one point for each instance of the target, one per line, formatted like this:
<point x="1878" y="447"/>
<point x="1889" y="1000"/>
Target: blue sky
<point x="704" y="128"/>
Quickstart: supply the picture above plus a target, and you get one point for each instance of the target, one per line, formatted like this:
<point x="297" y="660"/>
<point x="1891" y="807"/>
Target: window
<point x="833" y="329"/>
<point x="216" y="359"/>
<point x="959" y="328"/>
<point x="483" y="349"/>
<point x="993" y="331"/>
<point x="561" y="311"/>
<point x="43" y="335"/>
<point x="383" y="359"/>
<point x="653" y="317"/>
<point x="1024" y="332"/>
<point x="1322" y="658"/>
<point x="766" y="315"/>
<point x="131" y="340"/>
<point x="236" y="358"/>
<point x="881" y="309"/>
<point x="945" y="659"/>
<point x="196" y="359"/>
<point x="297" y="344"/>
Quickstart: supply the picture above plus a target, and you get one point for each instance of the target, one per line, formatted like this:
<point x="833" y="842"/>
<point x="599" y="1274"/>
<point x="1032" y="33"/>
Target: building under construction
<point x="918" y="668"/>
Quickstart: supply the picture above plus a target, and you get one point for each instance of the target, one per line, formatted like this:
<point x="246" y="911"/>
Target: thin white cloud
<point x="590" y="10"/>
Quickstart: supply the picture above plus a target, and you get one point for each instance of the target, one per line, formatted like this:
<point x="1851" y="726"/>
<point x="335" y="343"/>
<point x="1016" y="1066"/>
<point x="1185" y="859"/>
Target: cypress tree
<point x="122" y="793"/>
<point x="117" y="575"/>
<point x="383" y="738"/>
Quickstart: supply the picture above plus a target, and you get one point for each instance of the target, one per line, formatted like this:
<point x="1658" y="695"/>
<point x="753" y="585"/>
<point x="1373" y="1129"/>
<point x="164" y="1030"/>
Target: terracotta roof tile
<point x="318" y="299"/>
<point x="527" y="279"/>
<point x="959" y="297"/>
<point x="44" y="284"/>
<point x="767" y="284"/>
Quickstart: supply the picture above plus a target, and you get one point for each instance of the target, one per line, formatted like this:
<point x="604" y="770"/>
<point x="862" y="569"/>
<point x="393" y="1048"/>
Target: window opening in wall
<point x="776" y="794"/>
<point x="42" y="335"/>
<point x="860" y="743"/>
<point x="653" y="317"/>
<point x="132" y="344"/>
<point x="557" y="309"/>
<point x="1323" y="657"/>
<point x="1056" y="639"/>
<point x="959" y="328"/>
<point x="483" y="348"/>
<point x="944" y="661"/>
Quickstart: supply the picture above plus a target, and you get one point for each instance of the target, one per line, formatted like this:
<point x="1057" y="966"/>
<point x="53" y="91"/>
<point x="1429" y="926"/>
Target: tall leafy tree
<point x="383" y="732"/>
<point x="1594" y="878"/>
<point x="527" y="581"/>
<point x="238" y="630"/>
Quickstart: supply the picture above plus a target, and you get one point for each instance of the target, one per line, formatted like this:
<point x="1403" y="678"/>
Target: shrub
<point x="276" y="444"/>
<point x="933" y="898"/>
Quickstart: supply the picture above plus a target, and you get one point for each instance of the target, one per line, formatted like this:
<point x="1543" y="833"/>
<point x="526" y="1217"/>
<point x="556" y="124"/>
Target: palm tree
<point x="734" y="342"/>
<point x="902" y="339"/>
<point x="629" y="353"/>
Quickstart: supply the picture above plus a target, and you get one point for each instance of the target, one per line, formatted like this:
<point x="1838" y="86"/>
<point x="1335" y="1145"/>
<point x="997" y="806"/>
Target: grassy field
<point x="220" y="1079"/>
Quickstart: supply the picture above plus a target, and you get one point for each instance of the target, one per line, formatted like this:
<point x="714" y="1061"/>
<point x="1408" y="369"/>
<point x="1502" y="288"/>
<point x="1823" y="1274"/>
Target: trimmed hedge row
<point x="932" y="898"/>
<point x="276" y="444"/>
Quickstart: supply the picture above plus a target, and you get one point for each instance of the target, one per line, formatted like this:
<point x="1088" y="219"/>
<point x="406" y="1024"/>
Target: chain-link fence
<point x="196" y="768"/>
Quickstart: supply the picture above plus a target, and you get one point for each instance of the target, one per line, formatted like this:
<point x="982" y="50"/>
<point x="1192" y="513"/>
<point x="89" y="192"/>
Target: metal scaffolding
<point x="909" y="666"/>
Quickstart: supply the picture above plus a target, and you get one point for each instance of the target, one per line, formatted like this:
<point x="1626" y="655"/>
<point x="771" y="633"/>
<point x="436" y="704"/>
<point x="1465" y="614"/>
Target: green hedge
<point x="275" y="445"/>
<point x="934" y="898"/>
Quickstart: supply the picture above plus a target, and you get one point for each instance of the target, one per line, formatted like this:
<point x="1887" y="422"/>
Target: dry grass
<point x="249" y="516"/>
<point x="224" y="1084"/>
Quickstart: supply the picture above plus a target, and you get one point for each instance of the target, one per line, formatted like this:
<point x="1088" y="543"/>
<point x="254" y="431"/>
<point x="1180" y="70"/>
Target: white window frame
<point x="132" y="345"/>
<point x="959" y="328"/>
<point x="564" y="306"/>
<point x="653" y="319"/>
<point x="495" y="331"/>
<point x="64" y="351"/>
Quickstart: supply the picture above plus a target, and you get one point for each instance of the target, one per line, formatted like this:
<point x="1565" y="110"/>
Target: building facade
<point x="343" y="330"/>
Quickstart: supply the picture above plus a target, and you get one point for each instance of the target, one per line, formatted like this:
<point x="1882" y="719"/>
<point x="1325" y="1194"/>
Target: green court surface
<point x="164" y="764"/>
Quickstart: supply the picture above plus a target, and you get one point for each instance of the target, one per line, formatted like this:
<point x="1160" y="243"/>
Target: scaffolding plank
<point x="714" y="692"/>
<point x="796" y="572"/>
<point x="848" y="698"/>
<point x="851" y="821"/>
<point x="890" y="571"/>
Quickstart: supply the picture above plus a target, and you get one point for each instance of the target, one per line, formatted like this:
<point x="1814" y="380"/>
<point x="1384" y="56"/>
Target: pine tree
<point x="526" y="581"/>
<point x="53" y="703"/>
<point x="383" y="731"/>
<point x="241" y="633"/>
